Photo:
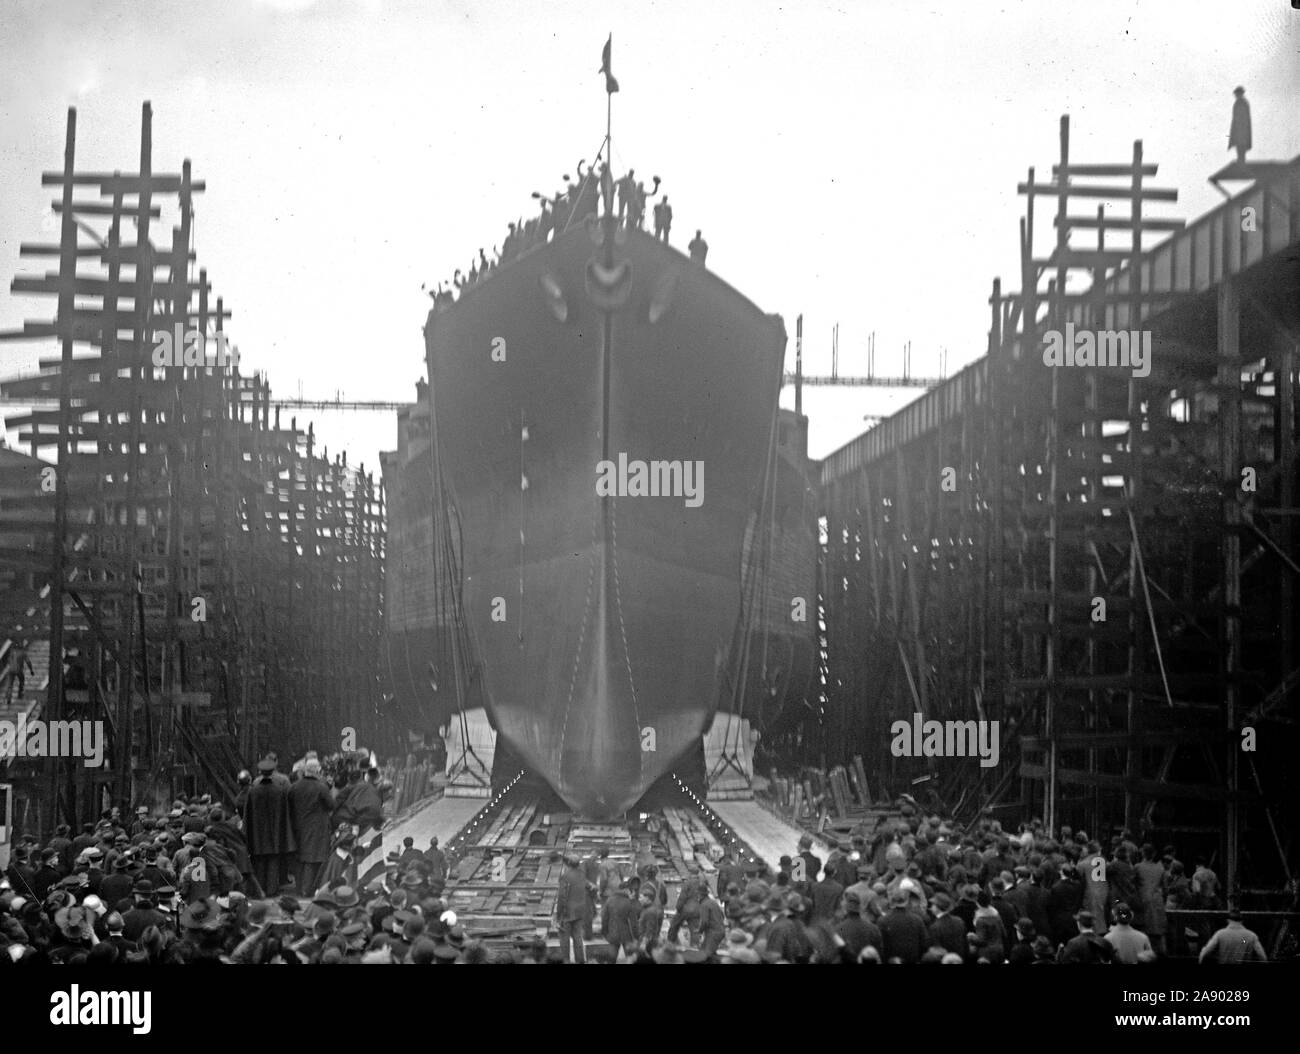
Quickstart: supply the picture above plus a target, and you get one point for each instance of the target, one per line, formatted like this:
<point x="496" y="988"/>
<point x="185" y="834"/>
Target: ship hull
<point x="600" y="625"/>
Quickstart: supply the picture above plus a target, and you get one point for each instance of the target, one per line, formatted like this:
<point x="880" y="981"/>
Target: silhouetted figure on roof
<point x="663" y="219"/>
<point x="1239" y="136"/>
<point x="636" y="209"/>
<point x="626" y="193"/>
<point x="606" y="189"/>
<point x="698" y="249"/>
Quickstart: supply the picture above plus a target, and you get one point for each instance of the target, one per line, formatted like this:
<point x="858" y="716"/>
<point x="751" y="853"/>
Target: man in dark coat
<point x="618" y="923"/>
<point x="571" y="908"/>
<point x="1239" y="134"/>
<point x="1064" y="900"/>
<point x="437" y="859"/>
<point x="826" y="896"/>
<point x="1036" y="899"/>
<point x="268" y="826"/>
<point x="47" y="874"/>
<point x="812" y="862"/>
<point x="311" y="804"/>
<point x="62" y="844"/>
<point x="360" y="804"/>
<point x="1006" y="910"/>
<point x="143" y="915"/>
<point x="1086" y="947"/>
<point x="947" y="931"/>
<point x="904" y="933"/>
<point x="856" y="931"/>
<point x="20" y="872"/>
<point x="651" y="920"/>
<point x="117" y="887"/>
<point x="786" y="938"/>
<point x="730" y="873"/>
<point x="712" y="923"/>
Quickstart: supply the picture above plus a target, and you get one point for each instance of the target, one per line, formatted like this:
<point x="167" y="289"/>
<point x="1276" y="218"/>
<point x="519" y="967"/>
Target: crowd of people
<point x="915" y="890"/>
<point x="625" y="197"/>
<point x="273" y="878"/>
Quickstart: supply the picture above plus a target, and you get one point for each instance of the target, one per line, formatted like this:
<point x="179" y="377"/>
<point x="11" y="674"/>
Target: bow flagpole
<point x="611" y="86"/>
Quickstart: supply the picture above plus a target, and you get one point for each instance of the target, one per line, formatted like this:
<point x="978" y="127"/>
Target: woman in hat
<point x="75" y="935"/>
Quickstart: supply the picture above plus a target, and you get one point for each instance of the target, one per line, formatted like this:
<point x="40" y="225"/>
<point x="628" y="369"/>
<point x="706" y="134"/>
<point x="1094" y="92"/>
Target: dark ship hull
<point x="600" y="629"/>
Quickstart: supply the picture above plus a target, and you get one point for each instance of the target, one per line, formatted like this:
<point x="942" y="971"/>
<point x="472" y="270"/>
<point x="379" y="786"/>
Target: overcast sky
<point x="856" y="161"/>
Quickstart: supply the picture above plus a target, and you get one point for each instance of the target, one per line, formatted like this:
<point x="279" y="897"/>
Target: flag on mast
<point x="611" y="85"/>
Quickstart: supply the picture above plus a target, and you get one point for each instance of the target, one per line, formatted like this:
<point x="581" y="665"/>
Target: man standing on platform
<point x="437" y="860"/>
<point x="269" y="828"/>
<point x="571" y="908"/>
<point x="311" y="804"/>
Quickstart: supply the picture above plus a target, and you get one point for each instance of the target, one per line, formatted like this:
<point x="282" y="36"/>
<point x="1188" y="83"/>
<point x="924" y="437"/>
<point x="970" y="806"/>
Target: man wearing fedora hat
<point x="143" y="914"/>
<point x="116" y="887"/>
<point x="905" y="937"/>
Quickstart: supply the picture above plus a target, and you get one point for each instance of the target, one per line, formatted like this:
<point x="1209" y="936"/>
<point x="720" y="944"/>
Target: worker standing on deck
<point x="663" y="219"/>
<point x="698" y="248"/>
<point x="571" y="908"/>
<point x="626" y="194"/>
